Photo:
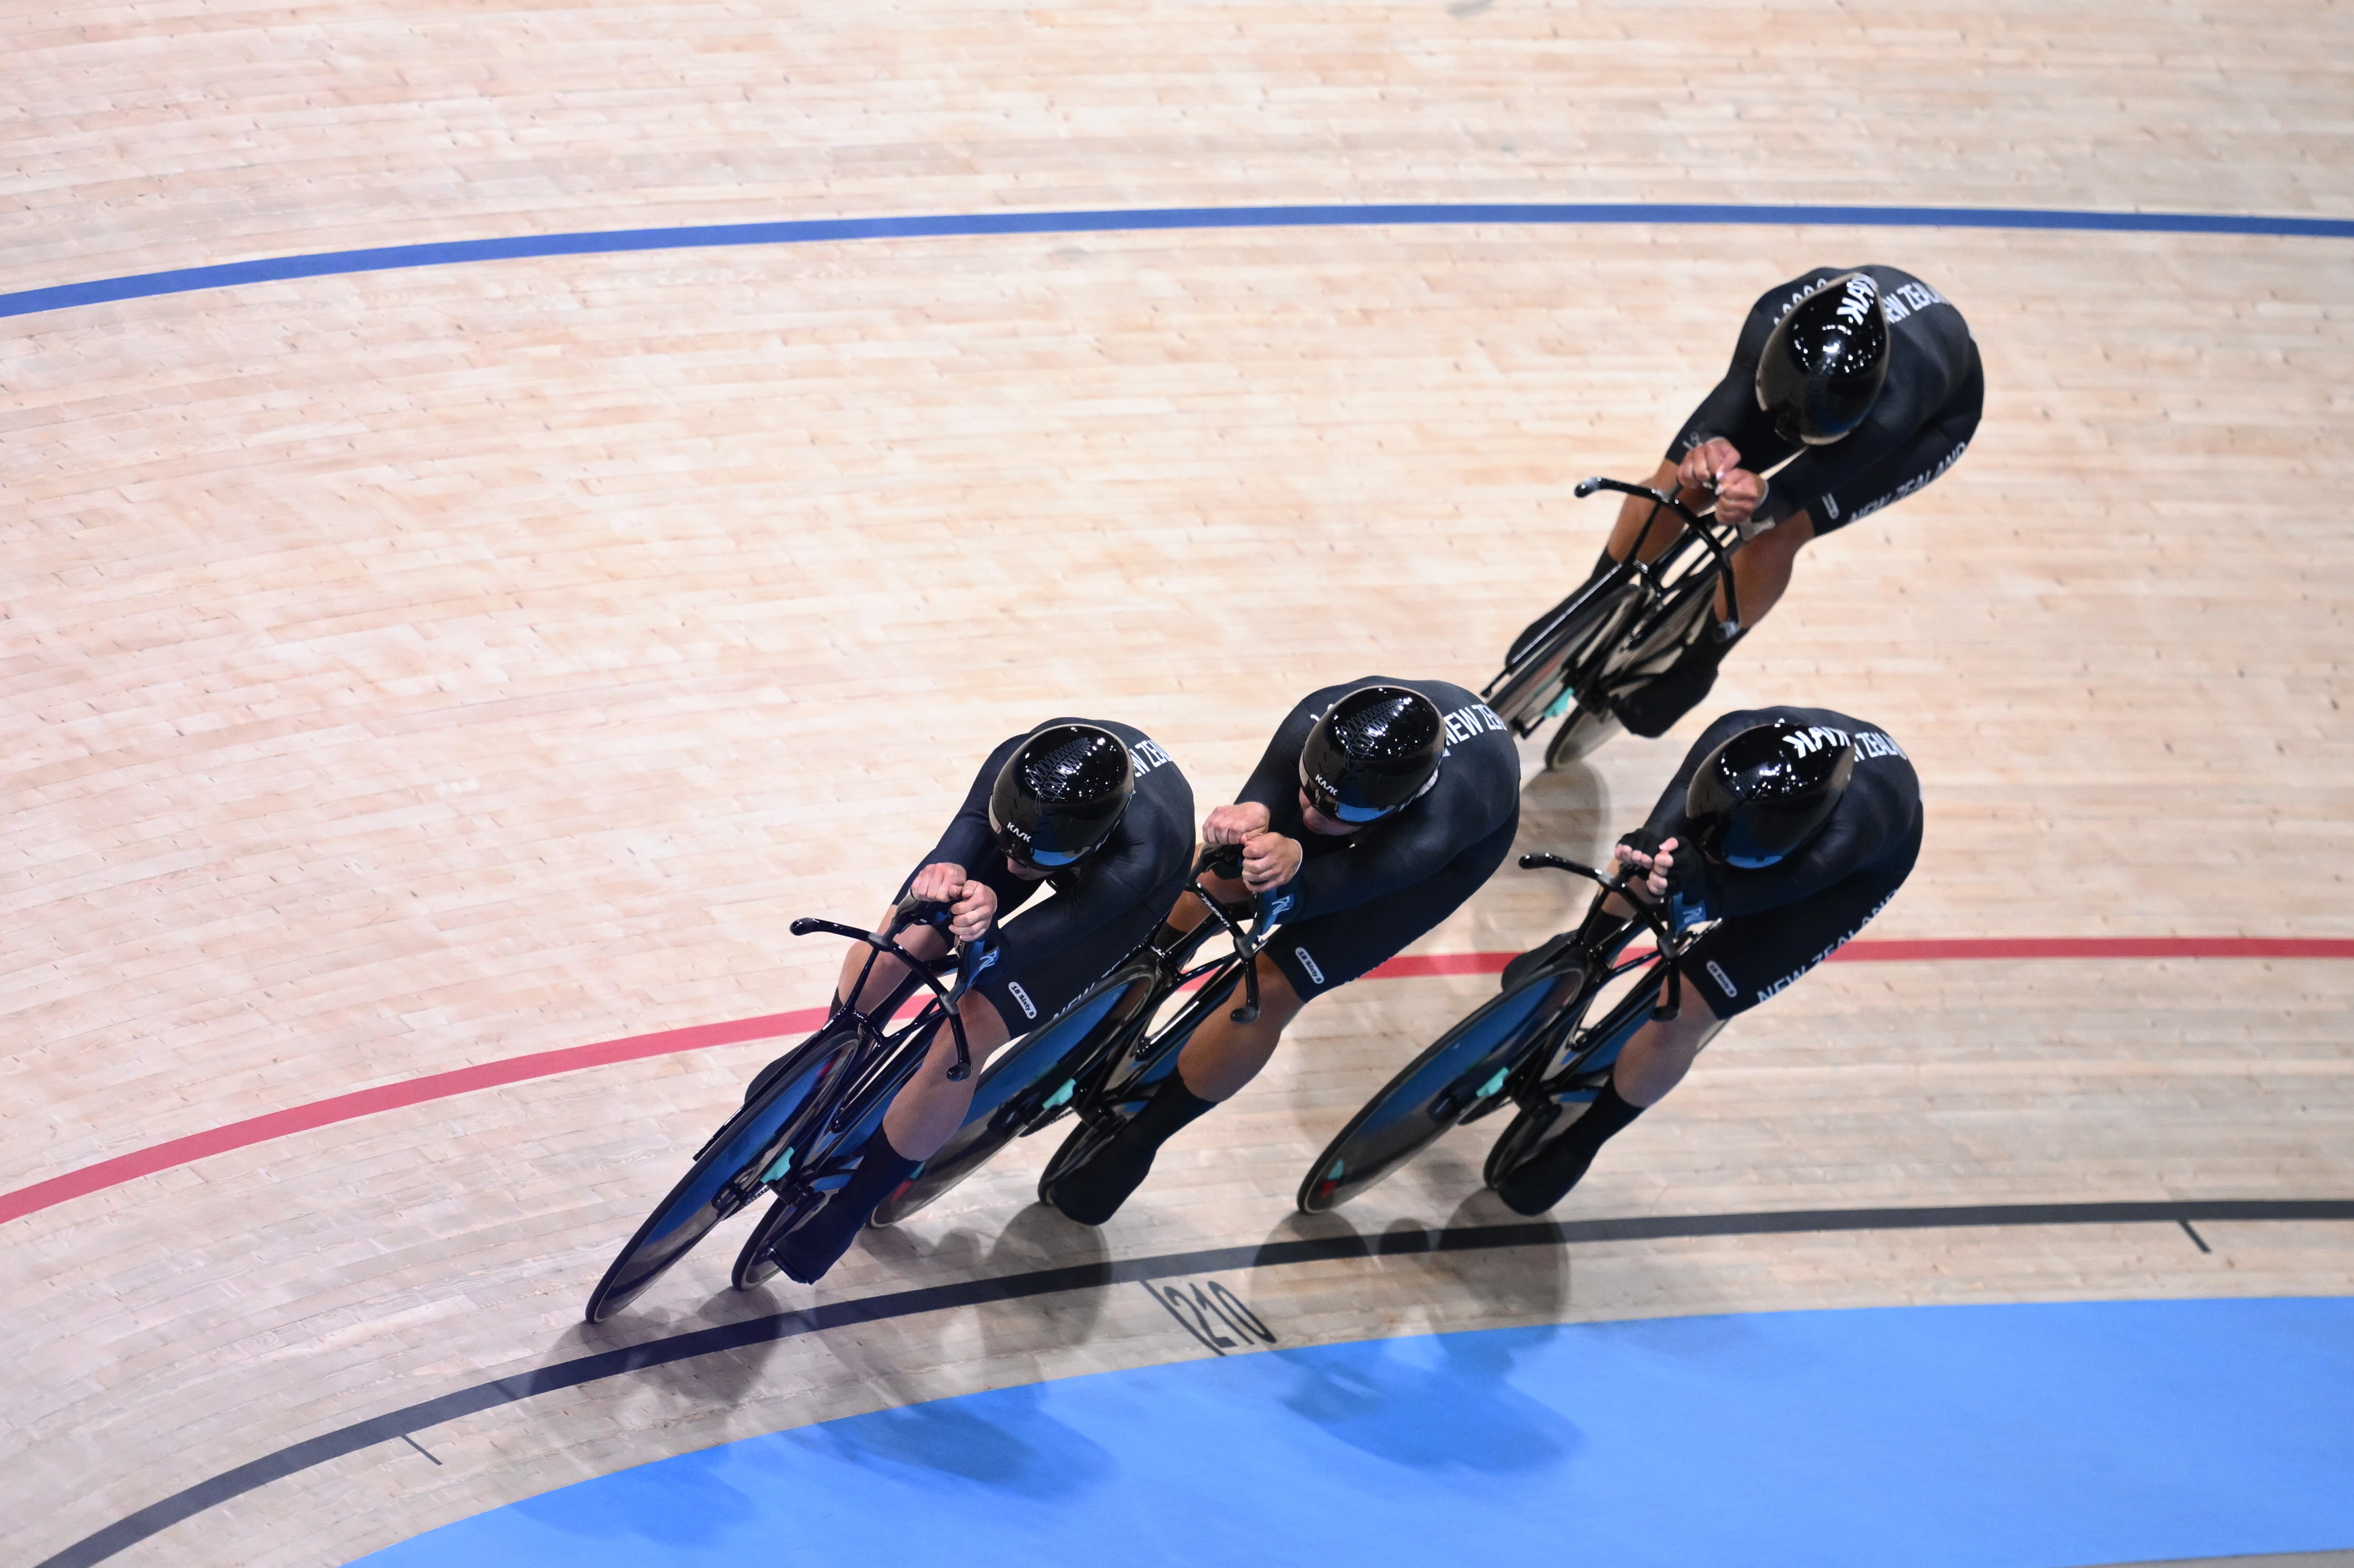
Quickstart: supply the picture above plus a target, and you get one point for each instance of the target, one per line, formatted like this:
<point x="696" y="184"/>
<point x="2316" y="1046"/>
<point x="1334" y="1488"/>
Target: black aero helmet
<point x="1061" y="794"/>
<point x="1372" y="752"/>
<point x="1826" y="361"/>
<point x="1767" y="790"/>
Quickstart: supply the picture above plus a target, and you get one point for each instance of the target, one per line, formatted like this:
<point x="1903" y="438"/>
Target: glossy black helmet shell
<point x="1373" y="750"/>
<point x="1767" y="790"/>
<point x="1061" y="794"/>
<point x="1826" y="361"/>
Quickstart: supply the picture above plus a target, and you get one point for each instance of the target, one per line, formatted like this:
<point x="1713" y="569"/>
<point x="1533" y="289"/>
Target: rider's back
<point x="1933" y="367"/>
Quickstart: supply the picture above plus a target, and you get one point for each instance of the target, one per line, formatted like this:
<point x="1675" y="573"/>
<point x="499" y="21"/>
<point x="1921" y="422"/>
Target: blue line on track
<point x="2044" y="1436"/>
<point x="615" y="241"/>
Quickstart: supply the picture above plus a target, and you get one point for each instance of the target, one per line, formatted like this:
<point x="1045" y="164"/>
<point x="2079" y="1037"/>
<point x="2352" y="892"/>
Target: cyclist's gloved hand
<point x="1712" y="471"/>
<point x="1674" y="865"/>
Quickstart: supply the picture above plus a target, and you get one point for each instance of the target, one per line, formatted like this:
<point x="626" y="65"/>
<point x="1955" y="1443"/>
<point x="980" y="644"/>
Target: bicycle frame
<point x="882" y="1061"/>
<point x="1094" y="1100"/>
<point x="1529" y="1082"/>
<point x="1541" y="655"/>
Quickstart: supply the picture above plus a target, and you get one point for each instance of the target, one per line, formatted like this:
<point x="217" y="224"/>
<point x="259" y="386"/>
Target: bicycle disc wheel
<point x="754" y="1266"/>
<point x="728" y="1172"/>
<point x="1029" y="1084"/>
<point x="1457" y="1077"/>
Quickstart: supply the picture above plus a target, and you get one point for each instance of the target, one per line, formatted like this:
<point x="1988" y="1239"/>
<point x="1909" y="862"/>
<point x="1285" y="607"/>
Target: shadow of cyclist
<point x="1001" y="1441"/>
<point x="1037" y="1238"/>
<point x="1434" y="1401"/>
<point x="1525" y="1282"/>
<point x="901" y="1353"/>
<point x="1566" y="810"/>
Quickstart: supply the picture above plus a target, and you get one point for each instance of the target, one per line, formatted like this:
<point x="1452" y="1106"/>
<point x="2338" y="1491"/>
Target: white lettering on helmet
<point x="1807" y="742"/>
<point x="1857" y="302"/>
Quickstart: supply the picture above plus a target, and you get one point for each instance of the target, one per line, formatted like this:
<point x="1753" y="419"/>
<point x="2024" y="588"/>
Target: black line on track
<point x="158" y="1517"/>
<point x="2197" y="1240"/>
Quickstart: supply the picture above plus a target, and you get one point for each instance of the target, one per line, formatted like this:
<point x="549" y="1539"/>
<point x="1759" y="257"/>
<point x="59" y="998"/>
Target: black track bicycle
<point x="1103" y="1056"/>
<point x="1530" y="1047"/>
<point x="806" y="1113"/>
<point x="1613" y="635"/>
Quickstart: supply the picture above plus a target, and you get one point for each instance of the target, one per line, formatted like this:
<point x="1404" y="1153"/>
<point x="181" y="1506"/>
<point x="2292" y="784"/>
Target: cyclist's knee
<point x="924" y="941"/>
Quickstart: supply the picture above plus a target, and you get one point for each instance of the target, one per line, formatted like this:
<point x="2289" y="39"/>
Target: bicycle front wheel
<point x="1458" y="1078"/>
<point x="1030" y="1083"/>
<point x="755" y="1145"/>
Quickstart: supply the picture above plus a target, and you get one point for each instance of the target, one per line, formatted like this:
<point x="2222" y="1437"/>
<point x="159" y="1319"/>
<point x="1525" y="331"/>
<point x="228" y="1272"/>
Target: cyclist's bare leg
<point x="1761" y="568"/>
<point x="1661" y="1052"/>
<point x="923" y="941"/>
<point x="1634" y="512"/>
<point x="1224" y="1055"/>
<point x="930" y="1106"/>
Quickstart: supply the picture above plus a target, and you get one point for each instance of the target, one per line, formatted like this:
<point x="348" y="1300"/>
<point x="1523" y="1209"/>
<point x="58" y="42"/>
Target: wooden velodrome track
<point x="418" y="669"/>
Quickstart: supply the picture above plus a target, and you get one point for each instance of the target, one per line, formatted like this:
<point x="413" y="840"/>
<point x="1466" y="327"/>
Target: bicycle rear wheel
<point x="729" y="1170"/>
<point x="1031" y="1083"/>
<point x="1460" y="1078"/>
<point x="1531" y="686"/>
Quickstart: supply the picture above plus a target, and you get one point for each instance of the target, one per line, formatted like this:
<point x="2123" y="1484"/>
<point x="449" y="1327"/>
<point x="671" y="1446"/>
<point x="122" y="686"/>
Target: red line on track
<point x="703" y="1037"/>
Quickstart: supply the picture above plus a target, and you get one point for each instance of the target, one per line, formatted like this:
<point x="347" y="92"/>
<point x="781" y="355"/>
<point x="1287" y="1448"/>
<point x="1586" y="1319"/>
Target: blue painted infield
<point x="2010" y="1436"/>
<point x="387" y="257"/>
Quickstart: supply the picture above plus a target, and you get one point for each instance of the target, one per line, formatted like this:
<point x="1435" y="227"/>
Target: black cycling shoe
<point x="1651" y="709"/>
<point x="807" y="1251"/>
<point x="1091" y="1192"/>
<point x="1547" y="1179"/>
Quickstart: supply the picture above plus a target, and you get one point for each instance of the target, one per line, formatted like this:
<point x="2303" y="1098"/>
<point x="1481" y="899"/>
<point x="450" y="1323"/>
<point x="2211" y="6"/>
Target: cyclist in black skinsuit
<point x="1126" y="839"/>
<point x="1790" y="828"/>
<point x="1866" y="383"/>
<point x="1378" y="807"/>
